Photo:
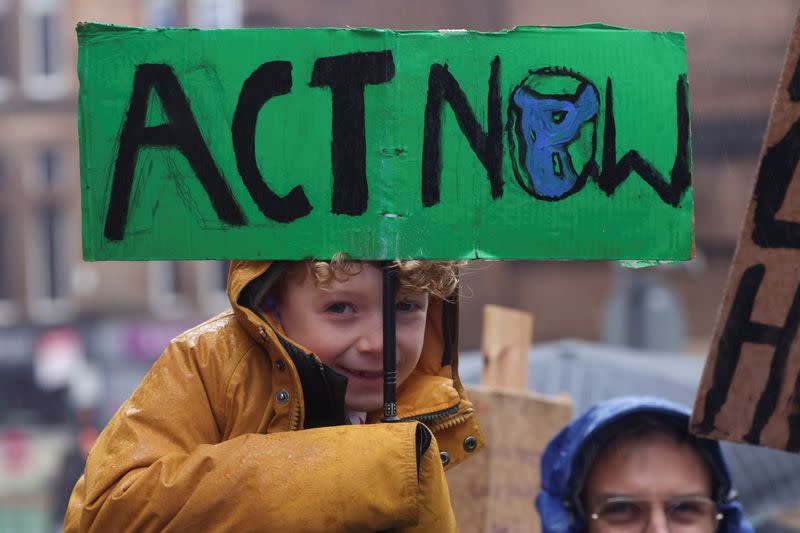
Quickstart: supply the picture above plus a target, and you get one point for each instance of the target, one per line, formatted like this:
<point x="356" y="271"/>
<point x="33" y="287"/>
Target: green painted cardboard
<point x="631" y="197"/>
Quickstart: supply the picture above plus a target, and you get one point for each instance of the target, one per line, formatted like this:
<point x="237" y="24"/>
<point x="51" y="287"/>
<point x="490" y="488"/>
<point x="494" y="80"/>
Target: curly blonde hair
<point x="438" y="278"/>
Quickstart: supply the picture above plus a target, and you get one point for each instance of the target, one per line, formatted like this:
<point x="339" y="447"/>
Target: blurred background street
<point x="76" y="337"/>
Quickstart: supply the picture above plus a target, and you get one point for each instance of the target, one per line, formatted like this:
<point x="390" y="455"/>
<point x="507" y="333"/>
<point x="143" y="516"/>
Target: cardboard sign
<point x="750" y="390"/>
<point x="495" y="490"/>
<point x="537" y="143"/>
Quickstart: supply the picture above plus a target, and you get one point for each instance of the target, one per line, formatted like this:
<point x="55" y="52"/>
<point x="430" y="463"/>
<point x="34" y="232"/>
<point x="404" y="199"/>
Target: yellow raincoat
<point x="232" y="429"/>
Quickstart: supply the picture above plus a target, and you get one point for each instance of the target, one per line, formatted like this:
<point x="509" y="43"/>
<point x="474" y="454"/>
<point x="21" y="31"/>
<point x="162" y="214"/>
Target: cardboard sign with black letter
<point x="750" y="390"/>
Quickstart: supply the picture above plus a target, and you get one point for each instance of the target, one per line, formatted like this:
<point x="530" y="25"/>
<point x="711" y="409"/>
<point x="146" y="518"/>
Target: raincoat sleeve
<point x="162" y="465"/>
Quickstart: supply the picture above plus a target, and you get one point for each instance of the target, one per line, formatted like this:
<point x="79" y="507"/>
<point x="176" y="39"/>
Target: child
<point x="251" y="421"/>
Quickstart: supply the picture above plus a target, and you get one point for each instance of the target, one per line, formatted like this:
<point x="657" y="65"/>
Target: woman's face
<point x="650" y="483"/>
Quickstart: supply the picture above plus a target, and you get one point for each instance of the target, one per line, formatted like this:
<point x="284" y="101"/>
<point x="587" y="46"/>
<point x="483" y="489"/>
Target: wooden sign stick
<point x="495" y="490"/>
<point x="507" y="337"/>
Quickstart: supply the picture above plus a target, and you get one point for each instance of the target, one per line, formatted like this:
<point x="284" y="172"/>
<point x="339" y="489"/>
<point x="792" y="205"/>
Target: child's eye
<point x="407" y="306"/>
<point x="339" y="308"/>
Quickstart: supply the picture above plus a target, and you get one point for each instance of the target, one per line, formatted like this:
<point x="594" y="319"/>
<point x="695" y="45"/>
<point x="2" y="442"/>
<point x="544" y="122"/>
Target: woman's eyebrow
<point x="607" y="495"/>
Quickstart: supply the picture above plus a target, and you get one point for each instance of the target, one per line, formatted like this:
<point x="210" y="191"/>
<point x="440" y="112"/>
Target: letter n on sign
<point x="750" y="390"/>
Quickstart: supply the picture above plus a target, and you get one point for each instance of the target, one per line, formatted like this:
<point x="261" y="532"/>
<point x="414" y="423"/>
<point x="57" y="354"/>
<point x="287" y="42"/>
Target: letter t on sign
<point x="347" y="75"/>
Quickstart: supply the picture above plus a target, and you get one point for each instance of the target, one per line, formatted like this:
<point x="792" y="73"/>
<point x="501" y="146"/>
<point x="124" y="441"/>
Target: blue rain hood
<point x="562" y="465"/>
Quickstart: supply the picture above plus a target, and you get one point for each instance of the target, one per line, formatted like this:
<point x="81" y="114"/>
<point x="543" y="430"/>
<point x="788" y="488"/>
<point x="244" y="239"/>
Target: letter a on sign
<point x="750" y="390"/>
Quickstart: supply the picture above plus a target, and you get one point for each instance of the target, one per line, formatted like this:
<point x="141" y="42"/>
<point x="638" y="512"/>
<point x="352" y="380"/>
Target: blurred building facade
<point x="44" y="283"/>
<point x="118" y="316"/>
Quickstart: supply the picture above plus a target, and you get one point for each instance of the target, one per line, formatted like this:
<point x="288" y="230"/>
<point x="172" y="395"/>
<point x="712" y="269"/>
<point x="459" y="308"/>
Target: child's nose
<point x="370" y="340"/>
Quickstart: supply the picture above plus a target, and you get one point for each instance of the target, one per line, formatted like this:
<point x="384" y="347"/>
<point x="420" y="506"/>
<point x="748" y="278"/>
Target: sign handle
<point x="389" y="344"/>
<point x="507" y="337"/>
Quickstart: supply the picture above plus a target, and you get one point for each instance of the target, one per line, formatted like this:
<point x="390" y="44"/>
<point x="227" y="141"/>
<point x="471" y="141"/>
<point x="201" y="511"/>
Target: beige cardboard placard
<point x="750" y="390"/>
<point x="507" y="337"/>
<point x="495" y="490"/>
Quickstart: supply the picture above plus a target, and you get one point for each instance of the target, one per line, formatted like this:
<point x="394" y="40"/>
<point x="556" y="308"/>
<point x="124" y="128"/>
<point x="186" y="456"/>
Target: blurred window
<point x="169" y="288"/>
<point x="43" y="49"/>
<point x="215" y="13"/>
<point x="259" y="16"/>
<point x="49" y="167"/>
<point x="46" y="181"/>
<point x="47" y="266"/>
<point x="6" y="45"/>
<point x="162" y="14"/>
<point x="5" y="282"/>
<point x="46" y="23"/>
<point x="7" y="304"/>
<point x="212" y="282"/>
<point x="174" y="282"/>
<point x="50" y="222"/>
<point x="222" y="274"/>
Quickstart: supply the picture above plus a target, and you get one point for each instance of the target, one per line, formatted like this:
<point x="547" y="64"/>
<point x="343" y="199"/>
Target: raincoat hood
<point x="432" y="393"/>
<point x="563" y="469"/>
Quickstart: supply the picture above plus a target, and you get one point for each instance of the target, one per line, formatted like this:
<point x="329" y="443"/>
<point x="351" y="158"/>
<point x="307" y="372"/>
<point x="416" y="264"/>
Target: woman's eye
<point x="687" y="507"/>
<point x="690" y="511"/>
<point x="621" y="512"/>
<point x="620" y="508"/>
<point x="339" y="308"/>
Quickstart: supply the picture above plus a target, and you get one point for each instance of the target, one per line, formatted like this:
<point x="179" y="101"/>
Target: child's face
<point x="342" y="323"/>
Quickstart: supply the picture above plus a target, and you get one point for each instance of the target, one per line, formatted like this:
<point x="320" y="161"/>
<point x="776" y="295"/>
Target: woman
<point x="630" y="464"/>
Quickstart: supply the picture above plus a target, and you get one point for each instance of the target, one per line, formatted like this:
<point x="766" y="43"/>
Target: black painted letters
<point x="774" y="176"/>
<point x="347" y="75"/>
<point x="442" y="86"/>
<point x="614" y="172"/>
<point x="181" y="132"/>
<point x="270" y="79"/>
<point x="739" y="328"/>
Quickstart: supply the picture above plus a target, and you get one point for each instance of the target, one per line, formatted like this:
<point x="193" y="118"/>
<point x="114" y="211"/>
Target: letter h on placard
<point x="740" y="328"/>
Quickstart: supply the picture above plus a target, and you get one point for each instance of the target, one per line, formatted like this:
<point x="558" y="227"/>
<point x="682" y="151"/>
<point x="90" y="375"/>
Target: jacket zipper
<point x="294" y="421"/>
<point x="452" y="422"/>
<point x="427" y="417"/>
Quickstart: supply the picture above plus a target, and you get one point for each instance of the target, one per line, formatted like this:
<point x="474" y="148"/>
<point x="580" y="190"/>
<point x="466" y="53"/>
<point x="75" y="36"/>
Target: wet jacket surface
<point x="561" y="464"/>
<point x="237" y="428"/>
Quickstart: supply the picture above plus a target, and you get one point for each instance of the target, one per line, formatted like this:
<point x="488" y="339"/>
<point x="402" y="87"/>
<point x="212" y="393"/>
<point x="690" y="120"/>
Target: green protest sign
<point x="534" y="143"/>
